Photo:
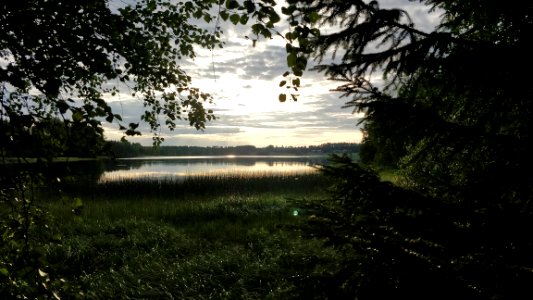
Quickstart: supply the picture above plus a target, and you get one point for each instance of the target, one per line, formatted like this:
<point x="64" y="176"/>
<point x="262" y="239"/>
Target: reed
<point x="204" y="237"/>
<point x="201" y="185"/>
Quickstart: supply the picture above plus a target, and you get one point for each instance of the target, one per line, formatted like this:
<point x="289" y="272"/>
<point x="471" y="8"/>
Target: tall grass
<point x="202" y="185"/>
<point x="205" y="237"/>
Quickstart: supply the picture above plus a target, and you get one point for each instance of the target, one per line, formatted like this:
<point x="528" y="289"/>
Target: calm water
<point x="181" y="166"/>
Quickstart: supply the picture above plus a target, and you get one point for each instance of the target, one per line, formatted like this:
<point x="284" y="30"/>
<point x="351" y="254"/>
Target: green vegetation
<point x="72" y="55"/>
<point x="452" y="111"/>
<point x="63" y="60"/>
<point x="390" y="175"/>
<point x="226" y="237"/>
<point x="202" y="185"/>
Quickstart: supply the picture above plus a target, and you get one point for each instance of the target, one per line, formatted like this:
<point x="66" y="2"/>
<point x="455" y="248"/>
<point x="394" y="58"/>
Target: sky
<point x="244" y="82"/>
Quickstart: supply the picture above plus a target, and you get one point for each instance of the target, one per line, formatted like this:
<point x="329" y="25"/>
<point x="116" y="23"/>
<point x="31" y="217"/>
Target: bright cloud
<point x="244" y="81"/>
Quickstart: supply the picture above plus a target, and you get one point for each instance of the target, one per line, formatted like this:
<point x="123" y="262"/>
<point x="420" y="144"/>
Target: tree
<point x="60" y="58"/>
<point x="455" y="111"/>
<point x="59" y="62"/>
<point x="454" y="114"/>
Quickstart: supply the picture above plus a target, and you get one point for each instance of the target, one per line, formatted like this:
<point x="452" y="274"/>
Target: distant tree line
<point x="127" y="149"/>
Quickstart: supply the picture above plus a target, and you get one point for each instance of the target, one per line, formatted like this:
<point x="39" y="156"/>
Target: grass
<point x="205" y="185"/>
<point x="217" y="237"/>
<point x="391" y="175"/>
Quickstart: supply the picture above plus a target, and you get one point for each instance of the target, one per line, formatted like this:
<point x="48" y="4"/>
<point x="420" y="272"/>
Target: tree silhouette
<point x="454" y="114"/>
<point x="62" y="58"/>
<point x="60" y="62"/>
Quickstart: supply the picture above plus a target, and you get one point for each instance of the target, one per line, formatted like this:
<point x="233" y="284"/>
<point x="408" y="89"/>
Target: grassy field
<point x="218" y="237"/>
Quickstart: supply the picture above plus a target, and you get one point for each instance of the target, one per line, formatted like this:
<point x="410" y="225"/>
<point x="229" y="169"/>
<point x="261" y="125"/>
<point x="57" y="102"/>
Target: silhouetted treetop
<point x="451" y="108"/>
<point x="66" y="57"/>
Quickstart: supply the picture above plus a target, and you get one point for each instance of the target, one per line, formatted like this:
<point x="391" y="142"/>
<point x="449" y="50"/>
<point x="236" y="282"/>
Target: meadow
<point x="206" y="237"/>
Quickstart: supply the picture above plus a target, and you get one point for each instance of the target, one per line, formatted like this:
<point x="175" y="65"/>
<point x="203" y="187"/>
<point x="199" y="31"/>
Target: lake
<point x="178" y="167"/>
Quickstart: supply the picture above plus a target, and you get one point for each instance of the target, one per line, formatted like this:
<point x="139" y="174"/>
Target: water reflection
<point x="179" y="167"/>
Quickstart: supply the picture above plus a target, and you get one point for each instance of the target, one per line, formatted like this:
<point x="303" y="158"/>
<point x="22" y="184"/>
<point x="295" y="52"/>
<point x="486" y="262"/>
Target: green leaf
<point x="291" y="59"/>
<point x="77" y="116"/>
<point x="282" y="97"/>
<point x="197" y="14"/>
<point x="224" y="15"/>
<point x="282" y="83"/>
<point x="288" y="10"/>
<point x="232" y="4"/>
<point x="266" y="33"/>
<point x="77" y="206"/>
<point x="297" y="72"/>
<point x="289" y="36"/>
<point x="257" y="28"/>
<point x="150" y="5"/>
<point x="288" y="47"/>
<point x="274" y="17"/>
<point x="313" y="17"/>
<point x="250" y="6"/>
<point x="296" y="82"/>
<point x="235" y="18"/>
<point x="77" y="203"/>
<point x="244" y="19"/>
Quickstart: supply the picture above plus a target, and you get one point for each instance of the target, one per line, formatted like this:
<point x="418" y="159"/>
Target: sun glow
<point x="244" y="83"/>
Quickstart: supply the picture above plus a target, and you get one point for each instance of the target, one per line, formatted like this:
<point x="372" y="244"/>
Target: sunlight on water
<point x="176" y="168"/>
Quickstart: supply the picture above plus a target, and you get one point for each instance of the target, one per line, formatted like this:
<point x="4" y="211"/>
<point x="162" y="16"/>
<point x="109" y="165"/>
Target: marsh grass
<point x="242" y="183"/>
<point x="218" y="237"/>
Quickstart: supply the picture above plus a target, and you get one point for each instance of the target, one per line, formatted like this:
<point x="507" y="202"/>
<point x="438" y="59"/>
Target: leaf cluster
<point x="63" y="57"/>
<point x="25" y="270"/>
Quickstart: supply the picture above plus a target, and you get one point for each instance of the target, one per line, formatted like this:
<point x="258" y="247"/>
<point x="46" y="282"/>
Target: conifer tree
<point x="454" y="114"/>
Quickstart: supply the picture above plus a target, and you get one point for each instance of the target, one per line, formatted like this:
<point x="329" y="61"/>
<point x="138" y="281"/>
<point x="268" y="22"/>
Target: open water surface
<point x="158" y="167"/>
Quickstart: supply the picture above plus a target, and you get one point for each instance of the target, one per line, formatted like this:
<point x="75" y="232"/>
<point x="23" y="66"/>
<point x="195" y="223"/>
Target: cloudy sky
<point x="243" y="81"/>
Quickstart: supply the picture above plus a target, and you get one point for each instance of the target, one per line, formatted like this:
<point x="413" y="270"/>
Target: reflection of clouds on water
<point x="158" y="169"/>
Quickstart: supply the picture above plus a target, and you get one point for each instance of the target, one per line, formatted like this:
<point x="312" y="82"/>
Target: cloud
<point x="244" y="79"/>
<point x="423" y="17"/>
<point x="242" y="60"/>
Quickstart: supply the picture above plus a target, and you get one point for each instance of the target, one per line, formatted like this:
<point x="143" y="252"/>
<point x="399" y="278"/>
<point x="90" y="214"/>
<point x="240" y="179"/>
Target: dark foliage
<point x="454" y="114"/>
<point x="399" y="243"/>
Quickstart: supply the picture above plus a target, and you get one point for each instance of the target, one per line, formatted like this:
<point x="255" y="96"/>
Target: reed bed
<point x="203" y="237"/>
<point x="201" y="185"/>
